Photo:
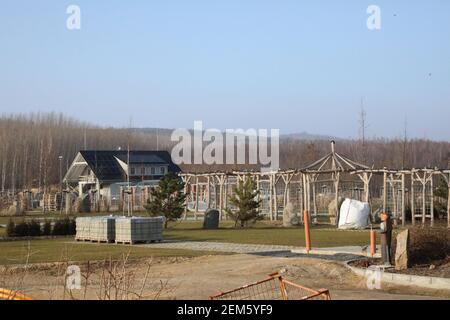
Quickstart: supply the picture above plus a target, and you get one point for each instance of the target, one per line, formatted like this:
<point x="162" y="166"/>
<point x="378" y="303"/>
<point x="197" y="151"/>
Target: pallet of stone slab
<point x="139" y="230"/>
<point x="83" y="228"/>
<point x="102" y="229"/>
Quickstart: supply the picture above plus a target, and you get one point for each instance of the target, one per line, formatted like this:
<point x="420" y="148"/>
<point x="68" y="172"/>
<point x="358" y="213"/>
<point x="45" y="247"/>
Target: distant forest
<point x="30" y="146"/>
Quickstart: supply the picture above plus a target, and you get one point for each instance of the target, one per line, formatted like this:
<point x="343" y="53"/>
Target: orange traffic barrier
<point x="307" y="235"/>
<point x="373" y="243"/>
<point x="6" y="294"/>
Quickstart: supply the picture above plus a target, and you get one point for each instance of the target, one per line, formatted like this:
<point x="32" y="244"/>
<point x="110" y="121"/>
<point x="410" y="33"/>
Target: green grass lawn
<point x="266" y="233"/>
<point x="54" y="250"/>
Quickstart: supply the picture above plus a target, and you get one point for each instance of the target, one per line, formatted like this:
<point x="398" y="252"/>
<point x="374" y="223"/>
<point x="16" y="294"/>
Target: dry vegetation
<point x="110" y="279"/>
<point x="428" y="253"/>
<point x="428" y="245"/>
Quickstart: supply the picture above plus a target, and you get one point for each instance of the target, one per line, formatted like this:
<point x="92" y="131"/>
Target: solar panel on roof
<point x="145" y="158"/>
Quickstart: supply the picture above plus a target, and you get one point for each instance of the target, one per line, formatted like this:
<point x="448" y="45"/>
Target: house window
<point x="143" y="171"/>
<point x="162" y="170"/>
<point x="153" y="171"/>
<point x="132" y="171"/>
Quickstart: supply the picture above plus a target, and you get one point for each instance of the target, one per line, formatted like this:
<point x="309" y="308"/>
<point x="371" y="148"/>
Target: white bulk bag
<point x="354" y="215"/>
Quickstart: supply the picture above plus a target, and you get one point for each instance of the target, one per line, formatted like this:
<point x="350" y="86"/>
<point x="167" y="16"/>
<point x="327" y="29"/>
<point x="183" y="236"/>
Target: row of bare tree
<point x="33" y="146"/>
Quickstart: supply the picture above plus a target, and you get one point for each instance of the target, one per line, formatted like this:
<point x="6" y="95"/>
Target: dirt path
<point x="201" y="277"/>
<point x="198" y="278"/>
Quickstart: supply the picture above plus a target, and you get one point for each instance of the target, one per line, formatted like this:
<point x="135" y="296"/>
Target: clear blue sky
<point x="293" y="65"/>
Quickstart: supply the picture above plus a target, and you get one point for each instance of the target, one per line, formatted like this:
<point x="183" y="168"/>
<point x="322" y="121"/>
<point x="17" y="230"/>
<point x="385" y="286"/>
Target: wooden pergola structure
<point x="317" y="185"/>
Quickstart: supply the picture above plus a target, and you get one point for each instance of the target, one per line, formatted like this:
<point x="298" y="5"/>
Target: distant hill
<point x="292" y="136"/>
<point x="308" y="136"/>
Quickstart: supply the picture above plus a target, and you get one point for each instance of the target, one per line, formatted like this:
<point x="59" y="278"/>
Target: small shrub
<point x="47" y="229"/>
<point x="34" y="228"/>
<point x="72" y="227"/>
<point x="427" y="245"/>
<point x="64" y="227"/>
<point x="21" y="229"/>
<point x="59" y="228"/>
<point x="11" y="229"/>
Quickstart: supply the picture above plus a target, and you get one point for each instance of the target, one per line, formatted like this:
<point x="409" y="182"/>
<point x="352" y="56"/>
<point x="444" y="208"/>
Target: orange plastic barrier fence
<point x="6" y="294"/>
<point x="273" y="288"/>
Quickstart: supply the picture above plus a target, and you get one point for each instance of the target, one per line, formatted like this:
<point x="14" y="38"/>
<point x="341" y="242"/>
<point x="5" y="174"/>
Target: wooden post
<point x="197" y="191"/>
<point x="271" y="196"/>
<point x="424" y="202"/>
<point x="373" y="243"/>
<point x="285" y="179"/>
<point x="314" y="199"/>
<point x="288" y="187"/>
<point x="432" y="200"/>
<point x="336" y="197"/>
<point x="384" y="191"/>
<point x="448" y="204"/>
<point x="258" y="187"/>
<point x="305" y="194"/>
<point x="225" y="195"/>
<point x="308" y="191"/>
<point x="392" y="182"/>
<point x="403" y="200"/>
<point x="413" y="204"/>
<point x="186" y="201"/>
<point x="275" y="196"/>
<point x="221" y="195"/>
<point x="307" y="235"/>
<point x="208" y="190"/>
<point x="366" y="187"/>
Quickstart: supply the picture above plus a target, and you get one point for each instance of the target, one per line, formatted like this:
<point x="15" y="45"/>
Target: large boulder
<point x="14" y="209"/>
<point x="211" y="220"/>
<point x="332" y="209"/>
<point x="289" y="216"/>
<point x="401" y="251"/>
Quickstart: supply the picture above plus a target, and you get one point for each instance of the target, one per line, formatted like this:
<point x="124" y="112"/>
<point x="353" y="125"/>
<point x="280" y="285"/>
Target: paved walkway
<point x="221" y="247"/>
<point x="257" y="248"/>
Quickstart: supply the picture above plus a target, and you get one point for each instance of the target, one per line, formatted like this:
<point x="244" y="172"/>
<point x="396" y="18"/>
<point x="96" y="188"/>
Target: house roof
<point x="107" y="167"/>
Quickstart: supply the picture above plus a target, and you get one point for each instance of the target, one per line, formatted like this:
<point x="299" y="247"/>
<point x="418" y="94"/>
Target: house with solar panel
<point x="101" y="176"/>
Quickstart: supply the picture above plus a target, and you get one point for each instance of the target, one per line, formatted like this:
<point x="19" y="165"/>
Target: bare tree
<point x="30" y="146"/>
<point x="362" y="130"/>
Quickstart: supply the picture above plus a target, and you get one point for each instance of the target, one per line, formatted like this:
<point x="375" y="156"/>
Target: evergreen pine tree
<point x="168" y="199"/>
<point x="245" y="200"/>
